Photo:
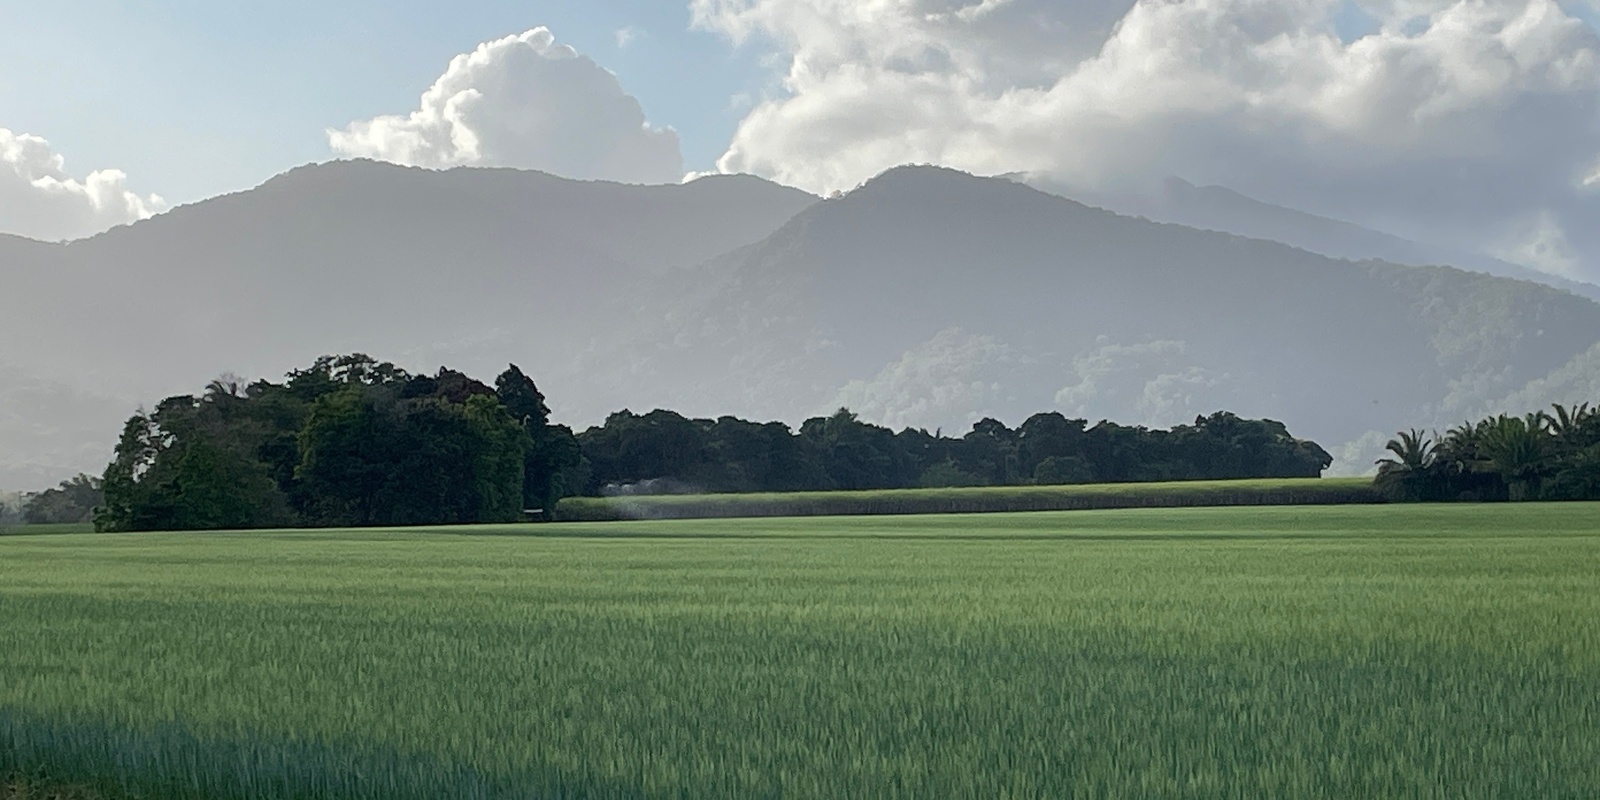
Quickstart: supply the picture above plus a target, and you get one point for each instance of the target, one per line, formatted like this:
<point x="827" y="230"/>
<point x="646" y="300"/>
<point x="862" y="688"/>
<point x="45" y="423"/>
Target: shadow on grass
<point x="17" y="786"/>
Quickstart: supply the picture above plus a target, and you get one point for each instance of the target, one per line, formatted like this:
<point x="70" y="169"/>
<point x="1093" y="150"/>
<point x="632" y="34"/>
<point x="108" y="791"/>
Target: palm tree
<point x="1567" y="421"/>
<point x="1574" y="429"/>
<point x="1413" y="452"/>
<point x="1406" y="475"/>
<point x="1459" y="445"/>
<point x="1515" y="448"/>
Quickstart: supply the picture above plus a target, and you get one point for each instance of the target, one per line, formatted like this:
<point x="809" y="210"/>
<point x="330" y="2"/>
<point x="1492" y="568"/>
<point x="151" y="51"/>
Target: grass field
<point x="1353" y="651"/>
<point x="38" y="530"/>
<point x="975" y="500"/>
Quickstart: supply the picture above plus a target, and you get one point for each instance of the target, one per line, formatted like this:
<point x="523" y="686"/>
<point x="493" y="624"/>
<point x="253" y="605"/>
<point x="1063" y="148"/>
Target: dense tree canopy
<point x="664" y="451"/>
<point x="348" y="441"/>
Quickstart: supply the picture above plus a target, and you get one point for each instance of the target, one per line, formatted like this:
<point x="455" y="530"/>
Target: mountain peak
<point x="922" y="185"/>
<point x="918" y="177"/>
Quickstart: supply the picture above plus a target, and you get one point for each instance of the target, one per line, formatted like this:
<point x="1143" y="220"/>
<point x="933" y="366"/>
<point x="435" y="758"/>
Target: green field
<point x="37" y="530"/>
<point x="975" y="499"/>
<point x="1353" y="651"/>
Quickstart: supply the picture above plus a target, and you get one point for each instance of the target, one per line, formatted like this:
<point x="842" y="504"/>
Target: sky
<point x="1467" y="122"/>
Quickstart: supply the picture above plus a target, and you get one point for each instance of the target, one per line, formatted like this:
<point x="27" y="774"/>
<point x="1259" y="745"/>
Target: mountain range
<point x="926" y="297"/>
<point x="1219" y="208"/>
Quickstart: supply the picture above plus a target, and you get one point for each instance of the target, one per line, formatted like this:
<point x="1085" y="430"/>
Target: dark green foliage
<point x="1551" y="455"/>
<point x="369" y="458"/>
<point x="1061" y="470"/>
<point x="857" y="455"/>
<point x="73" y="501"/>
<point x="192" y="463"/>
<point x="217" y="487"/>
<point x="946" y="475"/>
<point x="756" y="456"/>
<point x="665" y="452"/>
<point x="1411" y="474"/>
<point x="551" y="451"/>
<point x="348" y="441"/>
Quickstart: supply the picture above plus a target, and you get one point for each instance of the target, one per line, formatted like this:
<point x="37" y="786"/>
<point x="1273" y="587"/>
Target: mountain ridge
<point x="1220" y="208"/>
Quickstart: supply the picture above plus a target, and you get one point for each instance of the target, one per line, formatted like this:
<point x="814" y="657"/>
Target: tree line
<point x="352" y="441"/>
<point x="1553" y="455"/>
<point x="663" y="451"/>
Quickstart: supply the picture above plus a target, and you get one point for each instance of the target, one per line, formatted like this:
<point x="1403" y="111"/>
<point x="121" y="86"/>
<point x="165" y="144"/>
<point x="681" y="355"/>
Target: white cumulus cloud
<point x="1452" y="118"/>
<point x="523" y="101"/>
<point x="39" y="200"/>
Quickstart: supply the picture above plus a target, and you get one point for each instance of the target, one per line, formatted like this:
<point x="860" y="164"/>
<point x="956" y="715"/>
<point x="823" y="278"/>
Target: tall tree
<point x="550" y="450"/>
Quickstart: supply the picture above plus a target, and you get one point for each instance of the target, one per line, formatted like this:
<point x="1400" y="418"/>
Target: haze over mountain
<point x="927" y="297"/>
<point x="1219" y="208"/>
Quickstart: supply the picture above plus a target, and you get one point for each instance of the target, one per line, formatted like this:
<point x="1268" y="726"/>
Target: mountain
<point x="421" y="266"/>
<point x="1218" y="208"/>
<point x="927" y="297"/>
<point x="367" y="255"/>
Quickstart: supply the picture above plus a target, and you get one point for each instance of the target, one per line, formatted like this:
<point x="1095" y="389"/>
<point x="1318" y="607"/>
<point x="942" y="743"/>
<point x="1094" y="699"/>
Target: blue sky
<point x="197" y="97"/>
<point x="1469" y="122"/>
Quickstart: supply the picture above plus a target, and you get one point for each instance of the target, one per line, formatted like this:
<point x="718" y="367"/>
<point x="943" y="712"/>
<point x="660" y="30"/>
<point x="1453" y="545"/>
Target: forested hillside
<point x="929" y="295"/>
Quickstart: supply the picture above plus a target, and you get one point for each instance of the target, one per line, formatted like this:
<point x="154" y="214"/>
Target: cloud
<point x="1539" y="242"/>
<point x="523" y="101"/>
<point x="950" y="381"/>
<point x="1451" y="118"/>
<point x="627" y="36"/>
<point x="1358" y="457"/>
<point x="1149" y="383"/>
<point x="38" y="199"/>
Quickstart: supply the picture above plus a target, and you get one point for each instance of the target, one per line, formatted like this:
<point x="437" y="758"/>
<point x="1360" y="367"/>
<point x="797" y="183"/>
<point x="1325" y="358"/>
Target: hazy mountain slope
<point x="927" y="297"/>
<point x="468" y="267"/>
<point x="364" y="255"/>
<point x="1577" y="381"/>
<point x="1218" y="208"/>
<point x="50" y="431"/>
<point x="1014" y="300"/>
